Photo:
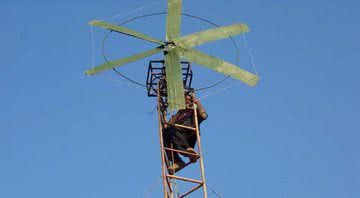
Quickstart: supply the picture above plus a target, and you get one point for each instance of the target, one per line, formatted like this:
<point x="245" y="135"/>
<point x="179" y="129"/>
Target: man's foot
<point x="176" y="166"/>
<point x="192" y="158"/>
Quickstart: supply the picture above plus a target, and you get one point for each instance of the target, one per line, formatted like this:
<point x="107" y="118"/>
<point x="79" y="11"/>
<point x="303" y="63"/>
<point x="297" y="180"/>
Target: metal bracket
<point x="157" y="73"/>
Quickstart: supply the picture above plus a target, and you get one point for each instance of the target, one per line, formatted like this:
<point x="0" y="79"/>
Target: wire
<point x="151" y="113"/>
<point x="214" y="85"/>
<point x="162" y="13"/>
<point x="133" y="11"/>
<point x="220" y="90"/>
<point x="153" y="186"/>
<point x="213" y="191"/>
<point x="252" y="59"/>
<point x="129" y="79"/>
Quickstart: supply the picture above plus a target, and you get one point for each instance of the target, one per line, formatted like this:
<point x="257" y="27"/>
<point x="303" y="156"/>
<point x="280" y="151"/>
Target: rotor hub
<point x="169" y="46"/>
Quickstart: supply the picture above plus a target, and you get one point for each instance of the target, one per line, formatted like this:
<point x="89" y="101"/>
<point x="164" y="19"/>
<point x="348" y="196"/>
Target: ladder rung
<point x="191" y="190"/>
<point x="180" y="151"/>
<point x="184" y="179"/>
<point x="185" y="127"/>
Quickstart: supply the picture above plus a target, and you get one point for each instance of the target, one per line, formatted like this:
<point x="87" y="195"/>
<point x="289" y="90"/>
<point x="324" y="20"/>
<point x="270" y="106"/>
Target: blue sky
<point x="295" y="135"/>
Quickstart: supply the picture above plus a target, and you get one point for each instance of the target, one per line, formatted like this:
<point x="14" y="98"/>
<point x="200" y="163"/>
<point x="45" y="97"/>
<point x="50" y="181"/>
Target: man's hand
<point x="202" y="112"/>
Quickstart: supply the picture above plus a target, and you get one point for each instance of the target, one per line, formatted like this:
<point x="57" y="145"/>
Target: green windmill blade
<point x="124" y="30"/>
<point x="177" y="47"/>
<point x="123" y="61"/>
<point x="175" y="85"/>
<point x="173" y="19"/>
<point x="202" y="37"/>
<point x="219" y="66"/>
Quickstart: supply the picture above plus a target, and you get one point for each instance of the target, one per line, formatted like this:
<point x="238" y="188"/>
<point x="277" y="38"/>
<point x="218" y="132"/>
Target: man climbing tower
<point x="181" y="138"/>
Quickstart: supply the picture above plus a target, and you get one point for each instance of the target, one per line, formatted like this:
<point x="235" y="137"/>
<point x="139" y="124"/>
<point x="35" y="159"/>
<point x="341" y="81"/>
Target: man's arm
<point x="202" y="112"/>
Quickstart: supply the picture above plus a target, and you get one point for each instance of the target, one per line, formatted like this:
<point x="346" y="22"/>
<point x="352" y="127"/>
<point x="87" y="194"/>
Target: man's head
<point x="189" y="101"/>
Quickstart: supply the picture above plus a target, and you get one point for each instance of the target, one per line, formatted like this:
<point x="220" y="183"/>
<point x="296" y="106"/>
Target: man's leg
<point x="180" y="140"/>
<point x="171" y="141"/>
<point x="192" y="141"/>
<point x="185" y="141"/>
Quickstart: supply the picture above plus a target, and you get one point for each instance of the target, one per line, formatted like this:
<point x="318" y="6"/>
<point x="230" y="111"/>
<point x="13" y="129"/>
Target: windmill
<point x="177" y="47"/>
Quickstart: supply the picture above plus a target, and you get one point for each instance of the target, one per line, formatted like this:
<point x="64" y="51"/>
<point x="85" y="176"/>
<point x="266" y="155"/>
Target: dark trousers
<point x="179" y="139"/>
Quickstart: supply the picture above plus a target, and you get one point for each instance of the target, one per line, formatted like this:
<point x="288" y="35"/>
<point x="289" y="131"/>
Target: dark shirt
<point x="186" y="117"/>
<point x="182" y="138"/>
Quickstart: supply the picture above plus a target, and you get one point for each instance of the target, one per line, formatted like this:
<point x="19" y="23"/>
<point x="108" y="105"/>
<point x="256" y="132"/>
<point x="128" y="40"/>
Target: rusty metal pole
<point x="200" y="152"/>
<point x="162" y="145"/>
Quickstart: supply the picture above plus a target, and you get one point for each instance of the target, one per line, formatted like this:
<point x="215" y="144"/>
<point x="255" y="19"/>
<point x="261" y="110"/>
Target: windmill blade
<point x="124" y="30"/>
<point x="123" y="61"/>
<point x="219" y="66"/>
<point x="173" y="19"/>
<point x="175" y="85"/>
<point x="211" y="35"/>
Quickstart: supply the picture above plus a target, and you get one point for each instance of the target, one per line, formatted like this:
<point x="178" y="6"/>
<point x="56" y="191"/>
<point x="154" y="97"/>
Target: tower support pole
<point x="169" y="179"/>
<point x="202" y="169"/>
<point x="163" y="168"/>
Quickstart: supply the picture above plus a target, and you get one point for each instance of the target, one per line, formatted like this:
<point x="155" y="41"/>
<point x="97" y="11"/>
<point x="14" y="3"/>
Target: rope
<point x="220" y="90"/>
<point x="132" y="11"/>
<point x="213" y="191"/>
<point x="152" y="187"/>
<point x="252" y="59"/>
